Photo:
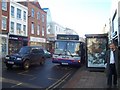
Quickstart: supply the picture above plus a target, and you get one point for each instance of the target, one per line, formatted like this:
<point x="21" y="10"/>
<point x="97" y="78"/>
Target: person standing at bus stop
<point x="111" y="69"/>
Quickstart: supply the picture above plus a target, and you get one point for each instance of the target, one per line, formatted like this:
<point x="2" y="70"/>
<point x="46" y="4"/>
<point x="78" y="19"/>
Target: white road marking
<point x="52" y="79"/>
<point x="23" y="72"/>
<point x="19" y="83"/>
<point x="16" y="85"/>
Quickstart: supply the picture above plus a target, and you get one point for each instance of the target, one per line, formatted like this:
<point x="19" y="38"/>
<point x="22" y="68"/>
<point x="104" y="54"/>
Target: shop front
<point x="50" y="42"/>
<point x="36" y="41"/>
<point x="3" y="45"/>
<point x="16" y="42"/>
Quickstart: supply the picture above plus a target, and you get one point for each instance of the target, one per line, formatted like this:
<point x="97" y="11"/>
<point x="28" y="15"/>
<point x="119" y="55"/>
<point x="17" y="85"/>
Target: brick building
<point x="4" y="28"/>
<point x="0" y="16"/>
<point x="36" y="24"/>
<point x="0" y="30"/>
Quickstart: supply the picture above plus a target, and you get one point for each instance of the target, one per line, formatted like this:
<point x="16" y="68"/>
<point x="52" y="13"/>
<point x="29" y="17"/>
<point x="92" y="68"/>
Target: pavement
<point x="85" y="78"/>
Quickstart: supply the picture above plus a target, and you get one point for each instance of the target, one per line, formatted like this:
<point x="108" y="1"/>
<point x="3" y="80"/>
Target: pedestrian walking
<point x="111" y="60"/>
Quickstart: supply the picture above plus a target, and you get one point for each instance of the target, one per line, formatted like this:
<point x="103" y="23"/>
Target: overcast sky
<point x="83" y="16"/>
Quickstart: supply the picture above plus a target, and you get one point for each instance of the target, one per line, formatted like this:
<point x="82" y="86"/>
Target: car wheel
<point x="42" y="61"/>
<point x="26" y="64"/>
<point x="9" y="66"/>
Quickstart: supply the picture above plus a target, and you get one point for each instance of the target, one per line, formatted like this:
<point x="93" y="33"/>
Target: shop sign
<point x="36" y="39"/>
<point x="19" y="38"/>
<point x="15" y="38"/>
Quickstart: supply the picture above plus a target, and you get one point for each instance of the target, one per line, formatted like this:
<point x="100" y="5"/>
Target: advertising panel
<point x="96" y="46"/>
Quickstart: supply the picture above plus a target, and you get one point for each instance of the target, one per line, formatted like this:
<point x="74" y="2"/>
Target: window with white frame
<point x="4" y="5"/>
<point x="18" y="13"/>
<point x="56" y="28"/>
<point x="24" y="15"/>
<point x="32" y="28"/>
<point x="43" y="17"/>
<point x="12" y="27"/>
<point x="43" y="32"/>
<point x="38" y="29"/>
<point x="32" y="12"/>
<point x="12" y="11"/>
<point x="38" y="15"/>
<point x="24" y="29"/>
<point x="4" y="23"/>
<point x="18" y="28"/>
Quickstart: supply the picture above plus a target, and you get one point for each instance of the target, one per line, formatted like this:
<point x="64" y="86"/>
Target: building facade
<point x="4" y="28"/>
<point x="0" y="31"/>
<point x="36" y="24"/>
<point x="18" y="27"/>
<point x="48" y="29"/>
<point x="115" y="22"/>
<point x="0" y="18"/>
<point x="56" y="29"/>
<point x="115" y="27"/>
<point x="70" y="31"/>
<point x="49" y="20"/>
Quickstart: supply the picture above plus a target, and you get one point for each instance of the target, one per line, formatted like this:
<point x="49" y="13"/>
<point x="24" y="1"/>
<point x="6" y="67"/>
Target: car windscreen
<point x="24" y="50"/>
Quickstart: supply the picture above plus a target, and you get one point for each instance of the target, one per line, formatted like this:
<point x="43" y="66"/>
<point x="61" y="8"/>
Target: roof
<point x="36" y="4"/>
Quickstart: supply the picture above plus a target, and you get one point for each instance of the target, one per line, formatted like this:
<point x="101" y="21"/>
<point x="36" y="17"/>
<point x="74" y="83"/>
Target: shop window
<point x="14" y="46"/>
<point x="4" y="46"/>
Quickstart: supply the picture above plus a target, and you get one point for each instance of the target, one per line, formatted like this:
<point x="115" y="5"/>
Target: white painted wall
<point x="15" y="20"/>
